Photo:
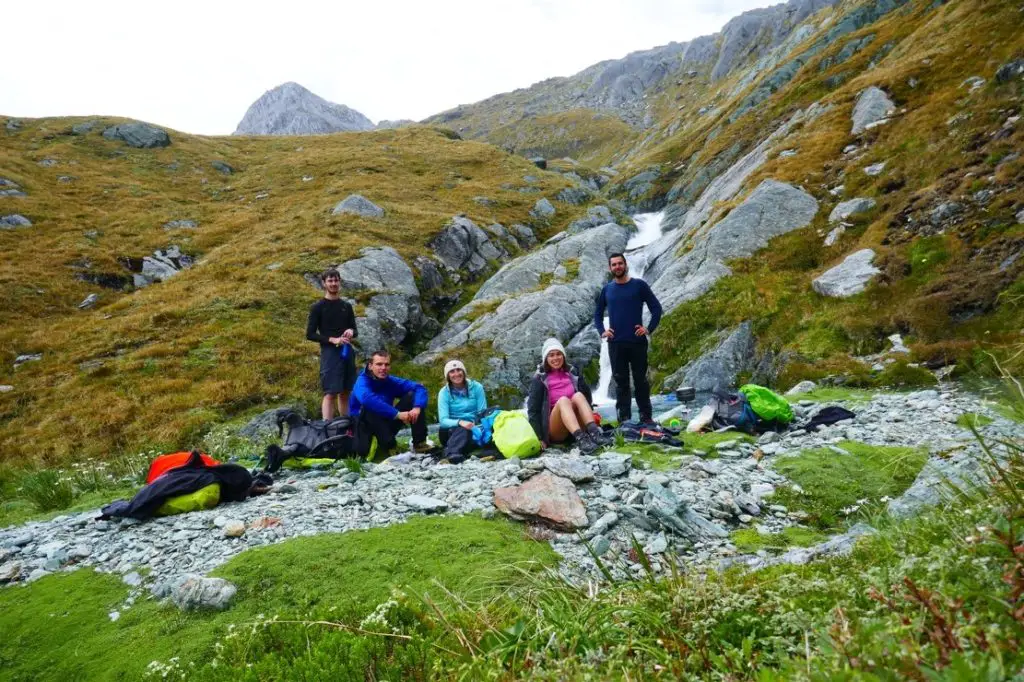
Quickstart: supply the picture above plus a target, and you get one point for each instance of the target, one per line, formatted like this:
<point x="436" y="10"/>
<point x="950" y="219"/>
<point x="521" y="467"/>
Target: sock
<point x="593" y="428"/>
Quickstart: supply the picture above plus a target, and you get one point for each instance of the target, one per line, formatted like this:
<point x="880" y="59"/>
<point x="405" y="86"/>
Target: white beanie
<point x="453" y="364"/>
<point x="550" y="345"/>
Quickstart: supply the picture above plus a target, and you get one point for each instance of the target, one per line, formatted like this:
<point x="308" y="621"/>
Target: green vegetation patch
<point x="837" y="486"/>
<point x="59" y="628"/>
<point x="973" y="420"/>
<point x="828" y="394"/>
<point x="750" y="540"/>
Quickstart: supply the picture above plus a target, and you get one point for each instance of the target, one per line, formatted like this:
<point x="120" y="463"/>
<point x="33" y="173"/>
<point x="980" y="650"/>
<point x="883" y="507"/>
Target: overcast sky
<point x="197" y="66"/>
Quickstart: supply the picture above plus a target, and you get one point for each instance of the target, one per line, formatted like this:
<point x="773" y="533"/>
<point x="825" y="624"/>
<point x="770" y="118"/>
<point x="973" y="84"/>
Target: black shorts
<point x="337" y="374"/>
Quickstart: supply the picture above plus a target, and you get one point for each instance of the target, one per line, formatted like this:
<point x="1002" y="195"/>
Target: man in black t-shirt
<point x="332" y="324"/>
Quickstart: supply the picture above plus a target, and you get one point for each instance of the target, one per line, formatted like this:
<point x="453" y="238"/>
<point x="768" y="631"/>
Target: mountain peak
<point x="291" y="109"/>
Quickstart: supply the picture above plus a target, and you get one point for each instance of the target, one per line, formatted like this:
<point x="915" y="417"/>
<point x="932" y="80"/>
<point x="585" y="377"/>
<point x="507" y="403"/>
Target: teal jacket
<point x="451" y="409"/>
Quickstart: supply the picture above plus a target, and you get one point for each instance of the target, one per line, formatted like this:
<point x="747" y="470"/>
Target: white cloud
<point x="196" y="66"/>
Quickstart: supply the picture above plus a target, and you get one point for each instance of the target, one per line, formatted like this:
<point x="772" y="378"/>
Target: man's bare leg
<point x="327" y="406"/>
<point x="343" y="404"/>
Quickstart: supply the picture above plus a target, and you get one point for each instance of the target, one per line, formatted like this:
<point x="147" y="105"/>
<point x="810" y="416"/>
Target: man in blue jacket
<point x="624" y="297"/>
<point x="382" y="405"/>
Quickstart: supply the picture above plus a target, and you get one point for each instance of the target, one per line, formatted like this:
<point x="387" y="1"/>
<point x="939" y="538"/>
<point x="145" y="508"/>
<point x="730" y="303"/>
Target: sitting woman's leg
<point x="586" y="419"/>
<point x="582" y="409"/>
<point x="563" y="421"/>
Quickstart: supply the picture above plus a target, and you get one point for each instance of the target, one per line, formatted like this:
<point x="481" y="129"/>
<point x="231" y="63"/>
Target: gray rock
<point x="600" y="544"/>
<point x="290" y="109"/>
<point x="27" y="357"/>
<point x="12" y="193"/>
<point x="430" y="275"/>
<point x="802" y="387"/>
<point x="36" y="575"/>
<point x="612" y="464"/>
<point x="265" y="423"/>
<point x="222" y="167"/>
<point x="88" y="302"/>
<point x="10" y="571"/>
<point x="932" y="486"/>
<point x="543" y="209"/>
<point x="573" y="195"/>
<point x="524" y="234"/>
<point x="945" y="212"/>
<point x="719" y="367"/>
<point x="849" y="277"/>
<point x="875" y="168"/>
<point x="84" y="128"/>
<point x="772" y="209"/>
<point x="657" y="545"/>
<point x="132" y="579"/>
<point x="138" y="135"/>
<point x="1010" y="70"/>
<point x="181" y="225"/>
<point x="1020" y="217"/>
<point x="422" y="503"/>
<point x="850" y="208"/>
<point x="674" y="515"/>
<point x="873" y="107"/>
<point x="359" y="205"/>
<point x="608" y="492"/>
<point x="596" y="216"/>
<point x="529" y="312"/>
<point x="462" y="245"/>
<point x="395" y="311"/>
<point x="575" y="469"/>
<point x="15" y="220"/>
<point x="833" y="236"/>
<point x="194" y="591"/>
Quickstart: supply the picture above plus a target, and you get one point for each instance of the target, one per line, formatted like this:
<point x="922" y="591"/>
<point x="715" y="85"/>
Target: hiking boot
<point x="422" y="448"/>
<point x="585" y="443"/>
<point x="599" y="436"/>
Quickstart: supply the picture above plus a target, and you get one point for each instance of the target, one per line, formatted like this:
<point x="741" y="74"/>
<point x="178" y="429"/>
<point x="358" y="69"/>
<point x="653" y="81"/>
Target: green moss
<point x="58" y="628"/>
<point x="750" y="540"/>
<point x="832" y="482"/>
<point x="827" y="394"/>
<point x="903" y="374"/>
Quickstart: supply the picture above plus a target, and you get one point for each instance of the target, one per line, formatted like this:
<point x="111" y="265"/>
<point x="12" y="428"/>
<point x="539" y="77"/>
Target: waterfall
<point x="648" y="231"/>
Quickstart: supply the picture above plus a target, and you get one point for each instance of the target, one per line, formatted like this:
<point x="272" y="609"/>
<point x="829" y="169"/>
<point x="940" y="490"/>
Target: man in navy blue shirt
<point x="624" y="298"/>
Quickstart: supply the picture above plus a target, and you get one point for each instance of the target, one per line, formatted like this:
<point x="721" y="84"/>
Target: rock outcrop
<point x="393" y="310"/>
<point x="464" y="246"/>
<point x="290" y="109"/>
<point x="719" y="367"/>
<point x="873" y="108"/>
<point x="15" y="220"/>
<point x="550" y="292"/>
<point x="772" y="209"/>
<point x="849" y="277"/>
<point x="850" y="208"/>
<point x="138" y="135"/>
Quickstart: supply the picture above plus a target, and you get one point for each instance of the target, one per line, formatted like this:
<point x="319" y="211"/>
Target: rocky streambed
<point x="686" y="511"/>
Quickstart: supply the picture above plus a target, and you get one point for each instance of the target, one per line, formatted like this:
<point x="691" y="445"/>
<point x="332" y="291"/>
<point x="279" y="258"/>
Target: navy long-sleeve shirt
<point x="625" y="305"/>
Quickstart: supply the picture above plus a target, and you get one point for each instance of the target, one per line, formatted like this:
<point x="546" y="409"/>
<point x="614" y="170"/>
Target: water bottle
<point x="345" y="351"/>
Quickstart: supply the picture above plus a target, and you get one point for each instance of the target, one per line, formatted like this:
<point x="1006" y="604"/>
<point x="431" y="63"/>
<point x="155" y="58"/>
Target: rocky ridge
<point x="685" y="511"/>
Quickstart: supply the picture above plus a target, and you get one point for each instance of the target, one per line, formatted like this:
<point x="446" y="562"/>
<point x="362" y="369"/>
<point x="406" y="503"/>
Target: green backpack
<point x="204" y="498"/>
<point x="513" y="435"/>
<point x="767" y="404"/>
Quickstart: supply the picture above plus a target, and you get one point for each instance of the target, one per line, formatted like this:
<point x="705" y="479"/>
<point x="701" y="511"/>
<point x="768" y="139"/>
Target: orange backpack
<point x="164" y="463"/>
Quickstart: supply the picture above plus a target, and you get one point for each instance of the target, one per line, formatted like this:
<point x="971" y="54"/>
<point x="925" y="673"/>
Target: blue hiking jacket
<point x="452" y="408"/>
<point x="379" y="395"/>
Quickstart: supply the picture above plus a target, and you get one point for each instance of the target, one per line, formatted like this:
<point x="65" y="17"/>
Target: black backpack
<point x="732" y="409"/>
<point x="332" y="439"/>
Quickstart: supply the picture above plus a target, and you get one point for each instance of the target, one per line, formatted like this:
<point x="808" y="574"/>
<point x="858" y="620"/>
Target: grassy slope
<point x="948" y="294"/>
<point x="165" y="362"/>
<point x="59" y="629"/>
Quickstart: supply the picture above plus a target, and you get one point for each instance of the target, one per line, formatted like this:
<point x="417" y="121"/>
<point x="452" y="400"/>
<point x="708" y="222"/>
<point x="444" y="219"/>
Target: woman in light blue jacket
<point x="459" y="403"/>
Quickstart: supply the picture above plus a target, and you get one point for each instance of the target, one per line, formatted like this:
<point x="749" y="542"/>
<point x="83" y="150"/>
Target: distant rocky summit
<point x="291" y="109"/>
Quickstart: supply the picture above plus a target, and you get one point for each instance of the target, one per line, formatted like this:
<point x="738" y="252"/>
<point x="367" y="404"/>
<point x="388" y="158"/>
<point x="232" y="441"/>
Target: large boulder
<point x="358" y="205"/>
<point x="850" y="208"/>
<point x="462" y="245"/>
<point x="596" y="216"/>
<point x="394" y="310"/>
<point x="720" y="366"/>
<point x="545" y="498"/>
<point x="550" y="292"/>
<point x="772" y="209"/>
<point x="873" y="108"/>
<point x="849" y="277"/>
<point x="543" y="209"/>
<point x="139" y="135"/>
